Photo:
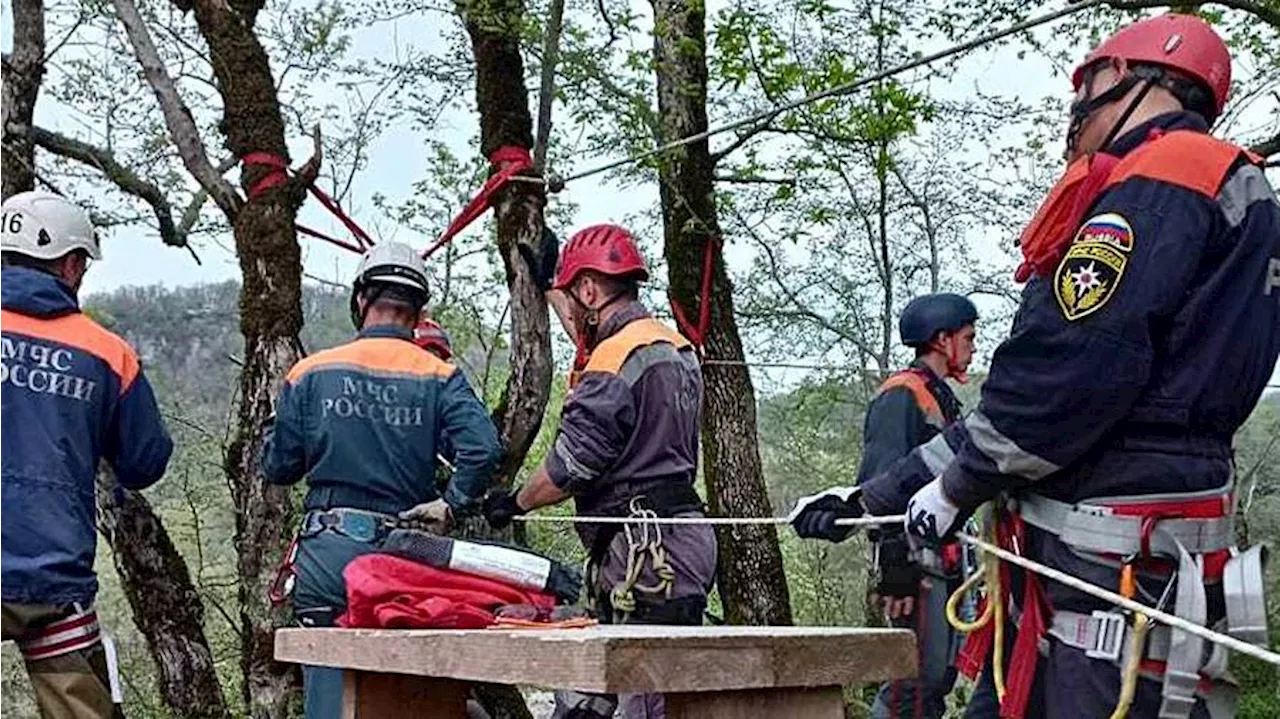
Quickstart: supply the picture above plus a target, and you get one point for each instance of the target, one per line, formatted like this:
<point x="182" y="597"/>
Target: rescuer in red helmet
<point x="1148" y="328"/>
<point x="627" y="446"/>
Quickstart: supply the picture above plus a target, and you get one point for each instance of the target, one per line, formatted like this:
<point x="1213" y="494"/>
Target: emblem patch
<point x="1094" y="264"/>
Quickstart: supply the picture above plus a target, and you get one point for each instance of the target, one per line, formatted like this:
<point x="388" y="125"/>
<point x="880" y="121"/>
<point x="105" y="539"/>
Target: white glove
<point x="435" y="516"/>
<point x="931" y="516"/>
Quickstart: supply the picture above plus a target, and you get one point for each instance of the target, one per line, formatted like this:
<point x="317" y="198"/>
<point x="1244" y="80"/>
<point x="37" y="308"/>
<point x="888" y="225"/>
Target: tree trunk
<point x="502" y="99"/>
<point x="166" y="606"/>
<point x="753" y="585"/>
<point x="270" y="319"/>
<point x="23" y="69"/>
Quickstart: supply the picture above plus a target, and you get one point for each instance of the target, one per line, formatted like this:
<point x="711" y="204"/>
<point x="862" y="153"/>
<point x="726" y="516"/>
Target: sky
<point x="391" y="169"/>
<point x="395" y="164"/>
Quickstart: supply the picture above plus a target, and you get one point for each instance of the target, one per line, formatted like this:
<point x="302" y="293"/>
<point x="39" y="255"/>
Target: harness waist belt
<point x="357" y="524"/>
<point x="1097" y="528"/>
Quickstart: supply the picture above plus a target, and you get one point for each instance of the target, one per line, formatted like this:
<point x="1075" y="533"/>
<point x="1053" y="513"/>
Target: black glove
<point x="816" y="518"/>
<point x="542" y="262"/>
<point x="899" y="573"/>
<point x="499" y="508"/>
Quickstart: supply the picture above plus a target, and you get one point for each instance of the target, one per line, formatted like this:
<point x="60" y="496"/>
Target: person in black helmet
<point x="910" y="408"/>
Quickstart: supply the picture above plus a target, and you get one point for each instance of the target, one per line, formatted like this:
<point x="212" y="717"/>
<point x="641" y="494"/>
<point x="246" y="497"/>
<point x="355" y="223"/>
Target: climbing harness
<point x="1193" y="530"/>
<point x="286" y="577"/>
<point x="74" y="632"/>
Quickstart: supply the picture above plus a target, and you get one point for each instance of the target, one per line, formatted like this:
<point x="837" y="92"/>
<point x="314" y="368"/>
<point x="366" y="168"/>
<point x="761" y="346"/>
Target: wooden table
<point x="705" y="672"/>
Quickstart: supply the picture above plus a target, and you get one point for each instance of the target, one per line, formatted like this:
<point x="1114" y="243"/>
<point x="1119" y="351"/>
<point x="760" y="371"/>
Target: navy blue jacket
<point x="1129" y="370"/>
<point x="896" y="423"/>
<point x="73" y="394"/>
<point x="365" y="420"/>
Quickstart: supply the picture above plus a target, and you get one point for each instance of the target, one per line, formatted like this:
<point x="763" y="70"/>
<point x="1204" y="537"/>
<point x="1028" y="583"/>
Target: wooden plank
<point x="372" y="695"/>
<point x="778" y="703"/>
<point x="626" y="659"/>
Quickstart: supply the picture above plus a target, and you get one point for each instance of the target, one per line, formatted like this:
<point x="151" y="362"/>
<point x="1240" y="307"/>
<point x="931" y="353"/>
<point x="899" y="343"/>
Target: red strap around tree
<point x="697" y="334"/>
<point x="508" y="161"/>
<point x="278" y="174"/>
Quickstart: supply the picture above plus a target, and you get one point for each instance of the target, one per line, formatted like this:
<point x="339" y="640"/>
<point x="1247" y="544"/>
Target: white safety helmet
<point x="392" y="263"/>
<point x="46" y="226"/>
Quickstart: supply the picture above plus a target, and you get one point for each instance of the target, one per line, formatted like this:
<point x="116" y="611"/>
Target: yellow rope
<point x="953" y="604"/>
<point x="988" y="575"/>
<point x="623" y="595"/>
<point x="1132" y="664"/>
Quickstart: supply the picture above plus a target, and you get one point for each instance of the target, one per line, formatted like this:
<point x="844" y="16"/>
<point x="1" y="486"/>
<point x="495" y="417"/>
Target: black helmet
<point x="927" y="315"/>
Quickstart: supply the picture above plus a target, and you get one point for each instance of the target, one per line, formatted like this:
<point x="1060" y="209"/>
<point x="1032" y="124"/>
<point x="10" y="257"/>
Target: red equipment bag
<point x="389" y="592"/>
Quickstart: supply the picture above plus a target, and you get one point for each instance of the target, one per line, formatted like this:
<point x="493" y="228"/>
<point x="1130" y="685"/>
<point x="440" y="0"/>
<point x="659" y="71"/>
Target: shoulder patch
<point x="1094" y="265"/>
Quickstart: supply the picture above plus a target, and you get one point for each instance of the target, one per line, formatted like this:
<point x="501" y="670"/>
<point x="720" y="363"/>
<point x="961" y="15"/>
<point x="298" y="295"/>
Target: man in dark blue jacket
<point x="627" y="446"/>
<point x="1146" y="334"/>
<point x="910" y="408"/>
<point x="74" y="394"/>
<point x="363" y="422"/>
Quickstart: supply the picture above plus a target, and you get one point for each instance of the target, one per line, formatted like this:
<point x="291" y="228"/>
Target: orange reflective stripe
<point x="78" y="331"/>
<point x="919" y="390"/>
<point x="612" y="353"/>
<point x="1193" y="160"/>
<point x="379" y="354"/>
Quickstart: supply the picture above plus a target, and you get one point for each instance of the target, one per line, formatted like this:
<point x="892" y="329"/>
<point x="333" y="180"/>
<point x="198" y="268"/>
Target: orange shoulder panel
<point x="610" y="354"/>
<point x="78" y="331"/>
<point x="919" y="390"/>
<point x="1193" y="160"/>
<point x="388" y="355"/>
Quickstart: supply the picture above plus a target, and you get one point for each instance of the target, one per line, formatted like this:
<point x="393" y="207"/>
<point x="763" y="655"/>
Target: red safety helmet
<point x="431" y="337"/>
<point x="607" y="249"/>
<point x="1179" y="42"/>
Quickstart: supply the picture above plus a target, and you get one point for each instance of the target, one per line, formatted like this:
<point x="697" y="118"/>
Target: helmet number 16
<point x="12" y="222"/>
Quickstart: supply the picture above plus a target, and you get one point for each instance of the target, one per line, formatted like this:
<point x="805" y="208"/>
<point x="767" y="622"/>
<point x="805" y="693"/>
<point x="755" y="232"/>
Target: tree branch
<point x="547" y="91"/>
<point x="1262" y="11"/>
<point x="177" y="116"/>
<point x="744" y="138"/>
<point x="1267" y="148"/>
<point x="123" y="177"/>
<point x="751" y="180"/>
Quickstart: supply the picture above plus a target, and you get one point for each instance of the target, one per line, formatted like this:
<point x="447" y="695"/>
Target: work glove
<point x="500" y="507"/>
<point x="542" y="261"/>
<point x="435" y="516"/>
<point x="931" y="516"/>
<point x="814" y="516"/>
<point x="899" y="575"/>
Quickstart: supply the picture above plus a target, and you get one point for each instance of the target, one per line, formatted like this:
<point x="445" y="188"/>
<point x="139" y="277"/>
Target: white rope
<point x="719" y="521"/>
<point x="1074" y="6"/>
<point x="1094" y="590"/>
<point x="1075" y="583"/>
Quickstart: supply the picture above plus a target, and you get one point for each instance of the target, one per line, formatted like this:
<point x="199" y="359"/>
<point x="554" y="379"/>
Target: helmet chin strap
<point x="589" y="323"/>
<point x="951" y="351"/>
<point x="358" y="314"/>
<point x="1083" y="109"/>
